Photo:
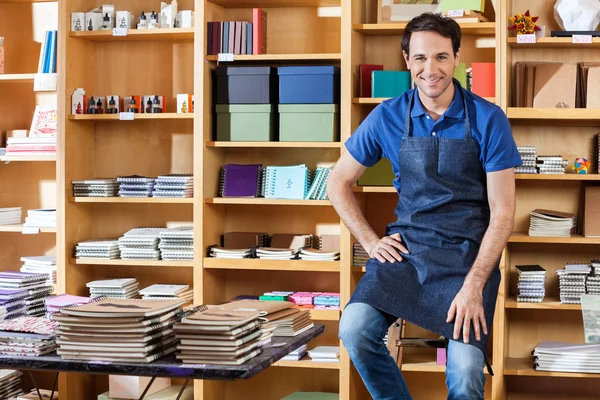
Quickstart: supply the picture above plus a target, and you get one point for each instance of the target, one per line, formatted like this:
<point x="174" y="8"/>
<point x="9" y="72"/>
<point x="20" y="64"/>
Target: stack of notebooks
<point x="327" y="242"/>
<point x="237" y="245"/>
<point x="13" y="303"/>
<point x="531" y="283"/>
<point x="177" y="244"/>
<point x="318" y="255"/>
<point x="359" y="255"/>
<point x="241" y="180"/>
<point x="287" y="182"/>
<point x="37" y="289"/>
<point x="95" y="188"/>
<point x="10" y="216"/>
<point x="572" y="281"/>
<point x="236" y="254"/>
<point x="219" y="336"/>
<point x="174" y="185"/>
<point x="592" y="284"/>
<point x="135" y="186"/>
<point x="327" y="301"/>
<point x="54" y="303"/>
<point x="10" y="384"/>
<point x="296" y="355"/>
<point x="40" y="218"/>
<point x="551" y="164"/>
<point x="140" y="244"/>
<point x="318" y="188"/>
<point x="139" y="329"/>
<point x="104" y="249"/>
<point x="528" y="156"/>
<point x="27" y="336"/>
<point x="273" y="253"/>
<point x="551" y="223"/>
<point x="40" y="265"/>
<point x="164" y="292"/>
<point x="126" y="288"/>
<point x="325" y="354"/>
<point x="567" y="357"/>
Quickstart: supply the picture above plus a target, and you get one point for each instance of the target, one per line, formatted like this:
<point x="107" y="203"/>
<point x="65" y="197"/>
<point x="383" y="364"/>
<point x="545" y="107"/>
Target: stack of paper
<point x="158" y="291"/>
<point x="318" y="255"/>
<point x="296" y="355"/>
<point x="105" y="249"/>
<point x="551" y="223"/>
<point x="95" y="188"/>
<point x="54" y="303"/>
<point x="140" y="244"/>
<point x="37" y="289"/>
<point x="126" y="288"/>
<point x="272" y="253"/>
<point x="135" y="186"/>
<point x="325" y="354"/>
<point x="118" y="330"/>
<point x="27" y="336"/>
<point x="531" y="283"/>
<point x="174" y="185"/>
<point x="359" y="255"/>
<point x="219" y="252"/>
<point x="10" y="383"/>
<point x="31" y="146"/>
<point x="177" y="244"/>
<point x="40" y="218"/>
<point x="528" y="156"/>
<point x="327" y="301"/>
<point x="572" y="282"/>
<point x="219" y="336"/>
<point x="287" y="182"/>
<point x="41" y="265"/>
<point x="10" y="216"/>
<point x="567" y="357"/>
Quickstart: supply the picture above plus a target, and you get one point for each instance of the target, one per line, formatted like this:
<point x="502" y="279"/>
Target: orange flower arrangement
<point x="524" y="23"/>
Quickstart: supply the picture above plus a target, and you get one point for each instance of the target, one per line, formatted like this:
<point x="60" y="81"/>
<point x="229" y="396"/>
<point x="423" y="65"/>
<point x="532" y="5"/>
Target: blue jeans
<point x="362" y="330"/>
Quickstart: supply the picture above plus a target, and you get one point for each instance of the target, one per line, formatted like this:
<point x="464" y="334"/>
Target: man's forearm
<point x="344" y="202"/>
<point x="493" y="243"/>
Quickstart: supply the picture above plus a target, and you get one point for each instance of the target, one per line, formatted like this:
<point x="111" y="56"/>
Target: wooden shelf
<point x="136" y="35"/>
<point x="307" y="362"/>
<point x="393" y="29"/>
<point x="557" y="42"/>
<point x="374" y="189"/>
<point x="558" y="177"/>
<point x="28" y="159"/>
<point x="18" y="228"/>
<point x="575" y="239"/>
<point x="549" y="303"/>
<point x="272" y="265"/>
<point x="359" y="269"/>
<point x="325" y="315"/>
<point x="379" y="100"/>
<point x="132" y="200"/>
<point x="16" y="77"/>
<point x="138" y="116"/>
<point x="277" y="145"/>
<point x="28" y="1"/>
<point x="283" y="57"/>
<point x="276" y="3"/>
<point x="265" y="202"/>
<point x="421" y="363"/>
<point x="133" y="263"/>
<point x="571" y="114"/>
<point x="524" y="367"/>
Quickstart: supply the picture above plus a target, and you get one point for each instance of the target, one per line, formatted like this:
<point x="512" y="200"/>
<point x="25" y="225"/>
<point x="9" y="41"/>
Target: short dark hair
<point x="429" y="22"/>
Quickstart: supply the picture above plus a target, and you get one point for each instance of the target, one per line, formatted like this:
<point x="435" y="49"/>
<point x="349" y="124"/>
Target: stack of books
<point x="13" y="303"/>
<point x="327" y="301"/>
<point x="241" y="180"/>
<point x="273" y="253"/>
<point x="177" y="244"/>
<point x="37" y="289"/>
<point x="567" y="357"/>
<point x="135" y="186"/>
<point x="54" y="303"/>
<point x="592" y="283"/>
<point x="551" y="223"/>
<point x="40" y="218"/>
<point x="296" y="355"/>
<point x="10" y="215"/>
<point x="126" y="288"/>
<point x="104" y="249"/>
<point x="10" y="383"/>
<point x="117" y="330"/>
<point x="359" y="255"/>
<point x="528" y="156"/>
<point x="40" y="265"/>
<point x="140" y="244"/>
<point x="95" y="188"/>
<point x="554" y="164"/>
<point x="158" y="291"/>
<point x="30" y="146"/>
<point x="329" y="354"/>
<point x="327" y="242"/>
<point x="572" y="280"/>
<point x="219" y="252"/>
<point x="531" y="283"/>
<point x="318" y="255"/>
<point x="174" y="185"/>
<point x="219" y="336"/>
<point x="27" y="336"/>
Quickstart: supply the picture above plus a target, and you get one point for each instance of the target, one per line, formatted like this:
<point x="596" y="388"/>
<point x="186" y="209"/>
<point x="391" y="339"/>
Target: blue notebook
<point x="289" y="182"/>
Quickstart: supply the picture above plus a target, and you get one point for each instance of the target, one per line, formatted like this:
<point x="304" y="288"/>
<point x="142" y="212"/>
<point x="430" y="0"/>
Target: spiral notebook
<point x="287" y="182"/>
<point x="240" y="180"/>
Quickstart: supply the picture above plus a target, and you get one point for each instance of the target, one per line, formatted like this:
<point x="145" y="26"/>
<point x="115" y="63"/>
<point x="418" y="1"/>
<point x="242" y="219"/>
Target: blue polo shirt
<point x="379" y="135"/>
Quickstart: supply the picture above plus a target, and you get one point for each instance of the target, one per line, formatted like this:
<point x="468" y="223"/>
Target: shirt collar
<point x="456" y="109"/>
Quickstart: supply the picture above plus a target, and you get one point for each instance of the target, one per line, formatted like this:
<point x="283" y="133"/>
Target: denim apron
<point x="442" y="216"/>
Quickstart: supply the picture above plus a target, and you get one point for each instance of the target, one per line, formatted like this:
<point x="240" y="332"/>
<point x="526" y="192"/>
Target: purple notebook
<point x="241" y="180"/>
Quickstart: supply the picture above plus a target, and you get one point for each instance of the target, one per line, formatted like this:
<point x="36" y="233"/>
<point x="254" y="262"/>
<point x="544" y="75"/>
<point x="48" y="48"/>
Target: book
<point x="111" y="308"/>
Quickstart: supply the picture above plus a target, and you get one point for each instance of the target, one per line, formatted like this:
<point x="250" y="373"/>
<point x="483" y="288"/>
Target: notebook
<point x="289" y="182"/>
<point x="110" y="308"/>
<point x="239" y="180"/>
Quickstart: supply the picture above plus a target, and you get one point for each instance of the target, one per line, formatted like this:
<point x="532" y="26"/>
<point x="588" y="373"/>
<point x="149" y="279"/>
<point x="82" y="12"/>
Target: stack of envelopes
<point x="126" y="330"/>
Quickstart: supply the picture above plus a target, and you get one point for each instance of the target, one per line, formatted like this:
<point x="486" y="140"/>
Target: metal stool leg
<point x="54" y="386"/>
<point x="147" y="388"/>
<point x="35" y="384"/>
<point x="182" y="388"/>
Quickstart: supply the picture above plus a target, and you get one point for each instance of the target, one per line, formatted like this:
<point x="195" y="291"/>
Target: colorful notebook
<point x="239" y="180"/>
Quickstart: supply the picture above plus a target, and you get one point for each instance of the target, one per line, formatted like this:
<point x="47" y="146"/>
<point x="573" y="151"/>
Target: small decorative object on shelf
<point x="577" y="15"/>
<point x="524" y="24"/>
<point x="581" y="165"/>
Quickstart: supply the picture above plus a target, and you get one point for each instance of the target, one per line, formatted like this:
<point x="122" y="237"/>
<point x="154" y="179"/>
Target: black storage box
<point x="246" y="85"/>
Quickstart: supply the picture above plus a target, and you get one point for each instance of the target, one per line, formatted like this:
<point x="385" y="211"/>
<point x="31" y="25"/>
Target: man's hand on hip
<point x="467" y="306"/>
<point x="386" y="248"/>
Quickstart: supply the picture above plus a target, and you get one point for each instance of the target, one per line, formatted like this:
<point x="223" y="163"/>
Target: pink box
<point x="441" y="356"/>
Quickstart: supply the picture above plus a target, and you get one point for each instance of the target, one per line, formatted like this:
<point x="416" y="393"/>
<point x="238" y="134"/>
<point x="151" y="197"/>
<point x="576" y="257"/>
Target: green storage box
<point x="309" y="123"/>
<point x="389" y="83"/>
<point x="475" y="5"/>
<point x="245" y="122"/>
<point x="460" y="74"/>
<point x="381" y="174"/>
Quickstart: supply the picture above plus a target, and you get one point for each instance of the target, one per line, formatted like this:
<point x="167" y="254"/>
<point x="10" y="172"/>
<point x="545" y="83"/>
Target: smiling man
<point x="453" y="155"/>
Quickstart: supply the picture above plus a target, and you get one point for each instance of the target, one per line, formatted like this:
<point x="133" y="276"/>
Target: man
<point x="437" y="267"/>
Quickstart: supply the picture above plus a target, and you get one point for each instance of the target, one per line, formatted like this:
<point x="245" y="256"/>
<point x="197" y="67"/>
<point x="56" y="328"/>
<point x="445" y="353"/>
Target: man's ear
<point x="457" y="58"/>
<point x="406" y="59"/>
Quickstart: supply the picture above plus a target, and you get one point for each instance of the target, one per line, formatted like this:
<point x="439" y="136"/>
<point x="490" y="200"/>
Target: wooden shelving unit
<point x="549" y="303"/>
<point x="395" y="29"/>
<point x="278" y="145"/>
<point x="131" y="200"/>
<point x="524" y="367"/>
<point x="272" y="265"/>
<point x="18" y="228"/>
<point x="554" y="43"/>
<point x="306" y="362"/>
<point x="283" y="57"/>
<point x="9" y="159"/>
<point x="266" y="202"/>
<point x="16" y="77"/>
<point x="137" y="35"/>
<point x="133" y="263"/>
<point x="574" y="239"/>
<point x="137" y="116"/>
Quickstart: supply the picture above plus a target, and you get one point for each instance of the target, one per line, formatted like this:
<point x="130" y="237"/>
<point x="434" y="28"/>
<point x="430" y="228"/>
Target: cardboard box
<point x="591" y="217"/>
<point x="77" y="21"/>
<point x="135" y="107"/>
<point x="555" y="85"/>
<point x="125" y="19"/>
<point x="78" y="102"/>
<point x="93" y="21"/>
<point x="475" y="5"/>
<point x="393" y="11"/>
<point x="114" y="104"/>
<point x="185" y="19"/>
<point x="132" y="387"/>
<point x="108" y="10"/>
<point x="184" y="104"/>
<point x="96" y="105"/>
<point x="148" y="102"/>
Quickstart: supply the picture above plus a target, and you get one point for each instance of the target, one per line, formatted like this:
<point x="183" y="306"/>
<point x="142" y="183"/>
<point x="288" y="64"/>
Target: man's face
<point x="431" y="62"/>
